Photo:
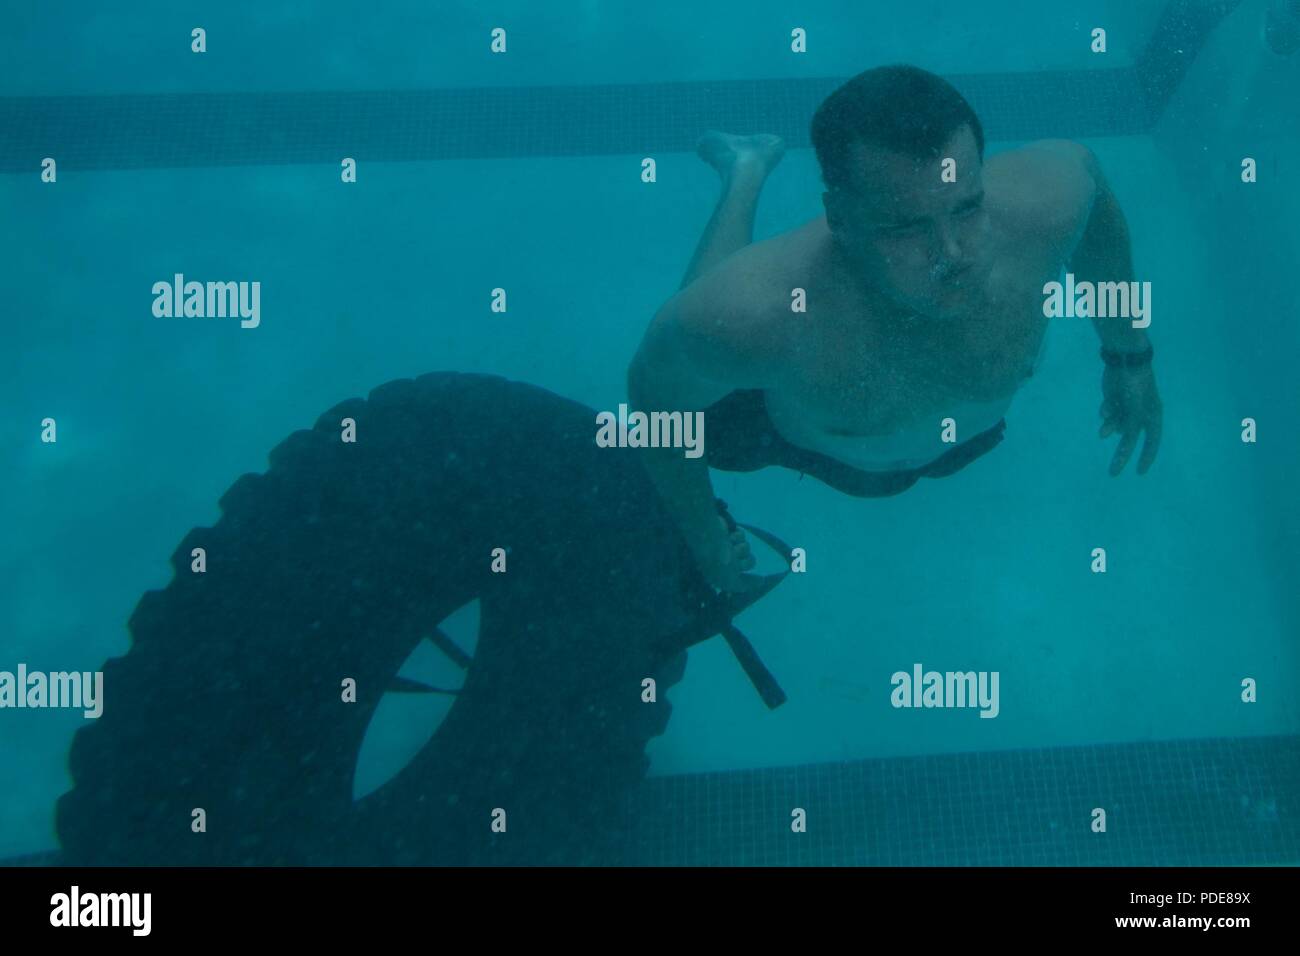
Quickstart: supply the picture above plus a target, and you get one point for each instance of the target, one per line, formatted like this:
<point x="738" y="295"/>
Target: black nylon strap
<point x="733" y="603"/>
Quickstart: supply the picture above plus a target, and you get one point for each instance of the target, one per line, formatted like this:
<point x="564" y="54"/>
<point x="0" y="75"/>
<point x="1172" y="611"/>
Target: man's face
<point x="920" y="242"/>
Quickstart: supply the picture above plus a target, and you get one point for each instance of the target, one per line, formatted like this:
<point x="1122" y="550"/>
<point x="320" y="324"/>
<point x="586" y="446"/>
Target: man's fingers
<point x="740" y="548"/>
<point x="1150" y="448"/>
<point x="1124" y="451"/>
<point x="1110" y="417"/>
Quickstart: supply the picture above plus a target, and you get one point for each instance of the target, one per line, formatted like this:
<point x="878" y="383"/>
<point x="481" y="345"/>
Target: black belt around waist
<point x="740" y="436"/>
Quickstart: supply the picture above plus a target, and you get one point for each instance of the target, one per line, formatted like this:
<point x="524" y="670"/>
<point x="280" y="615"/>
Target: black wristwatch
<point x="1116" y="359"/>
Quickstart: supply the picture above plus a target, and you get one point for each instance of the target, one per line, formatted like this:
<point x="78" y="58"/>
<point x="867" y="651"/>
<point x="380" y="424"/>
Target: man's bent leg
<point x="743" y="162"/>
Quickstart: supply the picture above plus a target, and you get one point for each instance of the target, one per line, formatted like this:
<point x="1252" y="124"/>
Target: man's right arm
<point x="699" y="347"/>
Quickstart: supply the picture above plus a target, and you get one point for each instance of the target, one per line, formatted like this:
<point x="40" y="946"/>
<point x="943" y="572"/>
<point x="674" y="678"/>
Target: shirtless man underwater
<point x="924" y="302"/>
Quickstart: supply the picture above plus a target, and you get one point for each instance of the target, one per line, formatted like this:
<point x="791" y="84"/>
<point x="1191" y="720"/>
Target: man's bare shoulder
<point x="756" y="272"/>
<point x="737" y="306"/>
<point x="1042" y="192"/>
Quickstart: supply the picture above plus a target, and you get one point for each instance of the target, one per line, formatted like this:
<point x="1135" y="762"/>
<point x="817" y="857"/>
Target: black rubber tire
<point x="334" y="563"/>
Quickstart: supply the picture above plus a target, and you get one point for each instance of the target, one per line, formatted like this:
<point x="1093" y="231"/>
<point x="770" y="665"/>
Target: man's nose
<point x="951" y="249"/>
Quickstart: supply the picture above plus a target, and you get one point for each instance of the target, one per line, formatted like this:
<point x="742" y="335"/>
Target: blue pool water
<point x="390" y="277"/>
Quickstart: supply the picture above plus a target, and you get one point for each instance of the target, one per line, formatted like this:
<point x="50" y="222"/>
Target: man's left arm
<point x="1130" y="400"/>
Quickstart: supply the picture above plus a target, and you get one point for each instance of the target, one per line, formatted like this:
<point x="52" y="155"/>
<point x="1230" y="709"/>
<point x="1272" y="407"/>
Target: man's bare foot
<point x="729" y="153"/>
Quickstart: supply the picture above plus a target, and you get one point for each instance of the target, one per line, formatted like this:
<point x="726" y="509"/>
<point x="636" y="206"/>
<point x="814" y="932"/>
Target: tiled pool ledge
<point x="132" y="131"/>
<point x="1226" y="801"/>
<point x="224" y="129"/>
<point x="1216" y="802"/>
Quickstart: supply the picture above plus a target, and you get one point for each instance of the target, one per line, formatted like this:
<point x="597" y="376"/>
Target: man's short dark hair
<point x="900" y="108"/>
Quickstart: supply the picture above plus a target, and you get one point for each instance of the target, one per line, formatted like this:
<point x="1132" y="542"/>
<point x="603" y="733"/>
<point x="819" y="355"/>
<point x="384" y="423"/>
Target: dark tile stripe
<point x="1218" y="802"/>
<point x="1178" y="803"/>
<point x="222" y="129"/>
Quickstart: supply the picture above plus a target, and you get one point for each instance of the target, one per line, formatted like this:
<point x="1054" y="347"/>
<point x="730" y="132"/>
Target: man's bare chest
<point x="849" y="375"/>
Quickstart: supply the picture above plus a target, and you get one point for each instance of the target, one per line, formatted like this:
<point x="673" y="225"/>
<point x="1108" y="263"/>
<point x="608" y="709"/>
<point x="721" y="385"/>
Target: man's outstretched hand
<point x="1131" y="405"/>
